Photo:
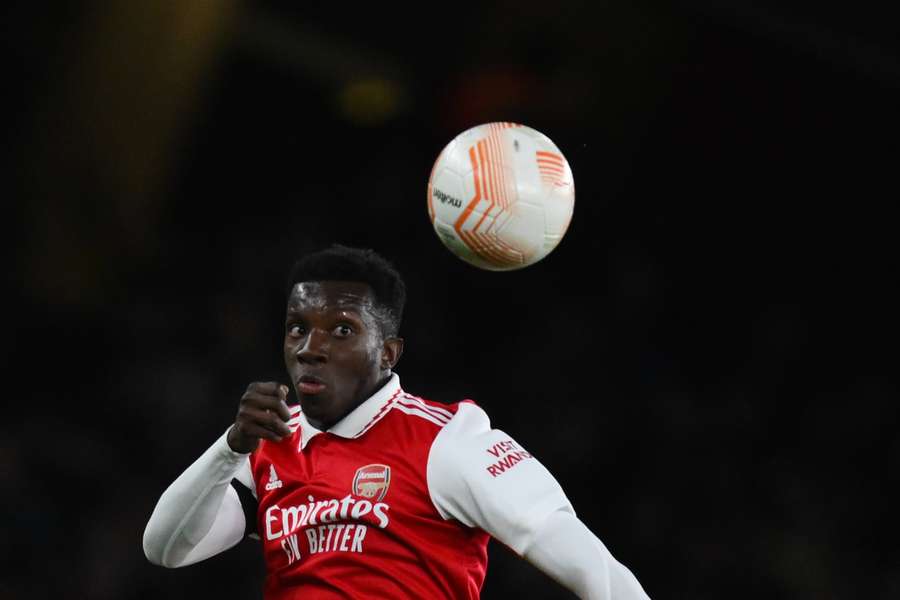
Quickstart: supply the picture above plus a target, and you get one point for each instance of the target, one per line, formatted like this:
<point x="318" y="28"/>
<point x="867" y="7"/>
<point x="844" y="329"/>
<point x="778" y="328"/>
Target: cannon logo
<point x="372" y="481"/>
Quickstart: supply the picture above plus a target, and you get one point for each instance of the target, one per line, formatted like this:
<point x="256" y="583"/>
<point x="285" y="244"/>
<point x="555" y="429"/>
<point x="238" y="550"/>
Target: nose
<point x="314" y="348"/>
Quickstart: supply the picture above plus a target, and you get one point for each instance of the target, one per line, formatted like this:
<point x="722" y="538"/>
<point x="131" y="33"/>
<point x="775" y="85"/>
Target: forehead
<point x="330" y="295"/>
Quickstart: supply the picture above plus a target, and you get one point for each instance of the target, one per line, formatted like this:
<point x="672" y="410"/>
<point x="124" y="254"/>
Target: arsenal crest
<point x="371" y="481"/>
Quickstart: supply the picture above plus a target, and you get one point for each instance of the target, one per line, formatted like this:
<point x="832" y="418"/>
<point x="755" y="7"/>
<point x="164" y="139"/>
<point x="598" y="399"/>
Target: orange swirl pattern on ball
<point x="490" y="183"/>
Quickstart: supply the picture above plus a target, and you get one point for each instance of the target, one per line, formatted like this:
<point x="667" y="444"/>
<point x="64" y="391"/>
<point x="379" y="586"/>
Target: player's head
<point x="341" y="339"/>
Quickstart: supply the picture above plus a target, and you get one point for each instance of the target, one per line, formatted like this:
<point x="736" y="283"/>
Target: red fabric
<point x="417" y="554"/>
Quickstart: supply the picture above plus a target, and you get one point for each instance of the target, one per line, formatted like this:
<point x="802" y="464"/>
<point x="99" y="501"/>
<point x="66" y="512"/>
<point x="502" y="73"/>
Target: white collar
<point x="360" y="419"/>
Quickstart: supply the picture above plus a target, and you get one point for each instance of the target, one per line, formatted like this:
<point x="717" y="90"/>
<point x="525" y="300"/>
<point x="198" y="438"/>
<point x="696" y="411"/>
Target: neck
<point x="325" y="426"/>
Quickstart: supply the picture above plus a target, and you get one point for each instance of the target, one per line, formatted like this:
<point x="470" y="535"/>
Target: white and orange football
<point x="501" y="196"/>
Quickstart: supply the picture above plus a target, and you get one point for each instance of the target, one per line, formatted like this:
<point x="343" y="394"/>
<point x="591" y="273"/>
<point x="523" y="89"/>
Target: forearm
<point x="566" y="550"/>
<point x="199" y="514"/>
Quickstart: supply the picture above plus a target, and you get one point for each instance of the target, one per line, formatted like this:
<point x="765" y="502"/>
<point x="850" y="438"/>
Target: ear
<point x="391" y="350"/>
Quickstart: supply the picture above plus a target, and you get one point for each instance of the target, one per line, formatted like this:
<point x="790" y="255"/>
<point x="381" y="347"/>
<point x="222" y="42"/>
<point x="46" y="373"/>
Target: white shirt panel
<point x="244" y="475"/>
<point x="226" y="531"/>
<point x="192" y="506"/>
<point x="566" y="550"/>
<point x="483" y="478"/>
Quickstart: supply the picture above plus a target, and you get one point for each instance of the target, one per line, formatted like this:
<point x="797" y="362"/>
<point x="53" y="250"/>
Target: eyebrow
<point x="353" y="312"/>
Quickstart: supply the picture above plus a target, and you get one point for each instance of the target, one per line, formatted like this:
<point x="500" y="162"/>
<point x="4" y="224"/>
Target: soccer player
<point x="363" y="490"/>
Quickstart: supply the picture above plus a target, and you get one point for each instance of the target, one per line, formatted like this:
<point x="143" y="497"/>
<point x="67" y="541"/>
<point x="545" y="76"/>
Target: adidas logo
<point x="274" y="482"/>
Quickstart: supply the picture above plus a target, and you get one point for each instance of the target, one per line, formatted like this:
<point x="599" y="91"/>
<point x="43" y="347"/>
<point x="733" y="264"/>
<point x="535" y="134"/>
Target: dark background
<point x="706" y="362"/>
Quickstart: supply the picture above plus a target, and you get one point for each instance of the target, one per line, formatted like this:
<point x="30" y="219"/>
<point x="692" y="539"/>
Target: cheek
<point x="365" y="357"/>
<point x="365" y="362"/>
<point x="373" y="351"/>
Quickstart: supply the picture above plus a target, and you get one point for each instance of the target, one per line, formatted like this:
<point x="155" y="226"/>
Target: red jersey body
<point x="348" y="513"/>
<point x="396" y="500"/>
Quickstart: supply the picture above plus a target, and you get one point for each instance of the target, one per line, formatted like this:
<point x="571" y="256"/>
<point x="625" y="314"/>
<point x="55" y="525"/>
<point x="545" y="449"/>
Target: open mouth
<point x="310" y="385"/>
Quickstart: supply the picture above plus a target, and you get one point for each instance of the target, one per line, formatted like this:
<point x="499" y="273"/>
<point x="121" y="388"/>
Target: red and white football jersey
<point x="397" y="500"/>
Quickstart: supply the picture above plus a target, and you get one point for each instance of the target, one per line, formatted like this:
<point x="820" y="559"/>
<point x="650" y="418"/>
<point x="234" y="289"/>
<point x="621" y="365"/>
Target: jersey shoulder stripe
<point x="432" y="407"/>
<point x="417" y="412"/>
<point x="294" y="421"/>
<point x="416" y="403"/>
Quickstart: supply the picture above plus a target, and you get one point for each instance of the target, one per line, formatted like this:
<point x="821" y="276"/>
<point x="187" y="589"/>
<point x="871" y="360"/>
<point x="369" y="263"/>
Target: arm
<point x="566" y="550"/>
<point x="199" y="515"/>
<point x="482" y="478"/>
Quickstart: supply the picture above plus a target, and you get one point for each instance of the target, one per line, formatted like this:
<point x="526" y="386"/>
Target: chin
<point x="312" y="404"/>
<point x="315" y="407"/>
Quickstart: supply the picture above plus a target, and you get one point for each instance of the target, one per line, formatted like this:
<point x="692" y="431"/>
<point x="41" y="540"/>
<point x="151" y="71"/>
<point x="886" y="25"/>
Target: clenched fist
<point x="263" y="413"/>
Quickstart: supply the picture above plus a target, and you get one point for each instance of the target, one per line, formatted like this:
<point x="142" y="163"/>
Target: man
<point x="364" y="490"/>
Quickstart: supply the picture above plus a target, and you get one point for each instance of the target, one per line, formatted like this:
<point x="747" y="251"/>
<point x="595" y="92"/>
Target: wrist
<point x="236" y="444"/>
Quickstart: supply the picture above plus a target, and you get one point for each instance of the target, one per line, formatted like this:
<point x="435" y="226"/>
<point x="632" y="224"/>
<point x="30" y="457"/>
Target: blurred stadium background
<point x="707" y="362"/>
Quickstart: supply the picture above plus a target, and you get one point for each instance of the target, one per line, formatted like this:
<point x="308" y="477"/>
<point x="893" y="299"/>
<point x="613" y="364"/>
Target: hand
<point x="263" y="414"/>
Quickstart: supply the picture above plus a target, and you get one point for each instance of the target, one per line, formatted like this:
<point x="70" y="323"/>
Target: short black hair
<point x="345" y="263"/>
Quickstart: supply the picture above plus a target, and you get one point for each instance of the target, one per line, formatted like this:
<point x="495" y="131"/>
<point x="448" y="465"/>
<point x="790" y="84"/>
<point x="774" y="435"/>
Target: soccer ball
<point x="501" y="196"/>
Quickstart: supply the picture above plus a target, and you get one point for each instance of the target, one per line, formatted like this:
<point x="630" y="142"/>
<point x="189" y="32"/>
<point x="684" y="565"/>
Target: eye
<point x="343" y="330"/>
<point x="295" y="330"/>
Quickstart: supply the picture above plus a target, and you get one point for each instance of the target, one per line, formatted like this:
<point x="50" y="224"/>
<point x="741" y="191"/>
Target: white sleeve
<point x="566" y="550"/>
<point x="200" y="514"/>
<point x="482" y="478"/>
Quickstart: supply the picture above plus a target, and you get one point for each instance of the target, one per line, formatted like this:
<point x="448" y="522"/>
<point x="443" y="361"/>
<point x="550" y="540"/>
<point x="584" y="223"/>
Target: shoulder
<point x="294" y="422"/>
<point x="462" y="416"/>
<point x="438" y="413"/>
<point x="435" y="420"/>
